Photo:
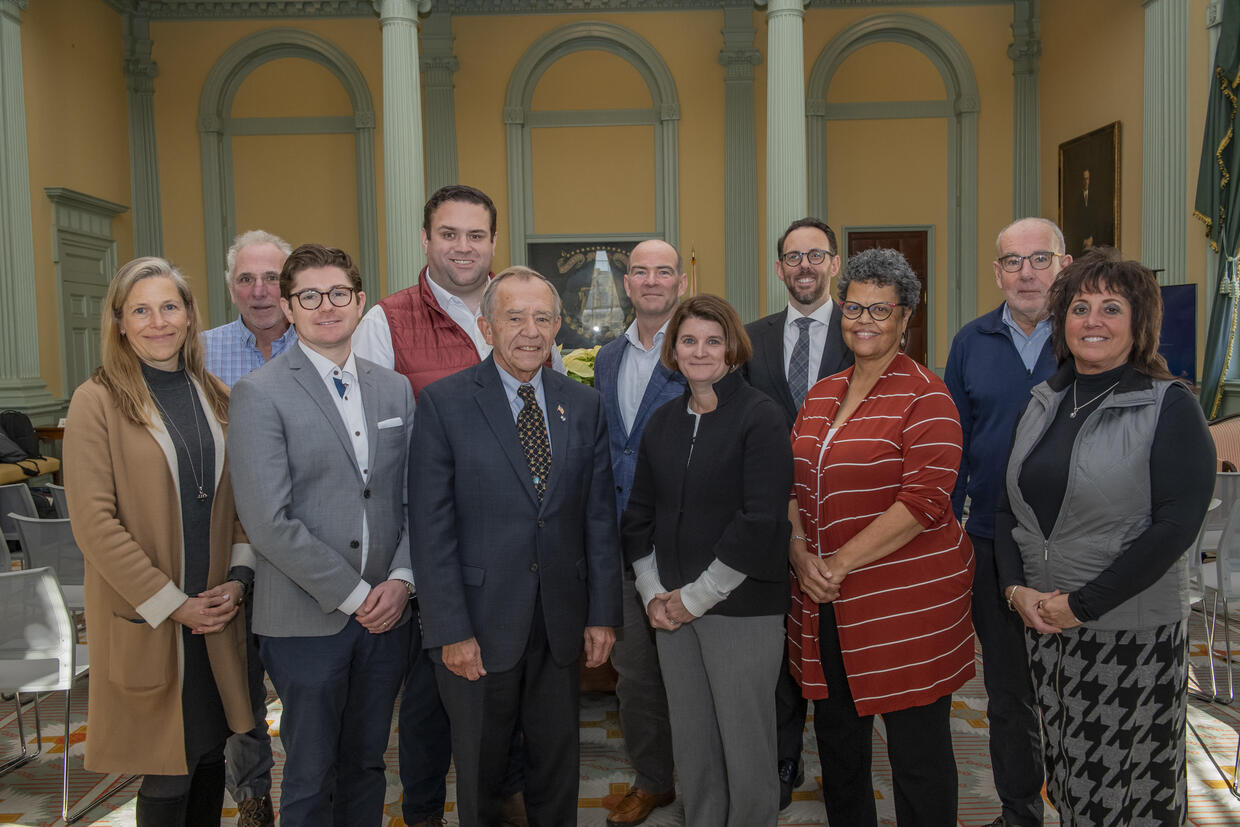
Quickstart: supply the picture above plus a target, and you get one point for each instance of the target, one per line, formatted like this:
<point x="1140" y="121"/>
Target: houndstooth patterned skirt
<point x="1113" y="707"/>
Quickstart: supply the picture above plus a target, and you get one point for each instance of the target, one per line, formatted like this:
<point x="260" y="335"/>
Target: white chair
<point x="15" y="499"/>
<point x="39" y="653"/>
<point x="50" y="544"/>
<point x="1220" y="536"/>
<point x="59" y="500"/>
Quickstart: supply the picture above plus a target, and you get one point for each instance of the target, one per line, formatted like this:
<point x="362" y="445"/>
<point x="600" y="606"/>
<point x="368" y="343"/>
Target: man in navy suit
<point x="633" y="382"/>
<point x="516" y="552"/>
<point x="793" y="349"/>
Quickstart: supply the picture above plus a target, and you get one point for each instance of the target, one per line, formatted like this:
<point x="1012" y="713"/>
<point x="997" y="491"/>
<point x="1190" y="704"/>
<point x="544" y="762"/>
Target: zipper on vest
<point x="1046" y="549"/>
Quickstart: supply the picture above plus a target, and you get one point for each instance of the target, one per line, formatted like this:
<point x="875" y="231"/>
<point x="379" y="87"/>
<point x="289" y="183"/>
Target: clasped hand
<point x="1044" y="612"/>
<point x="211" y="610"/>
<point x="667" y="611"/>
<point x="816" y="576"/>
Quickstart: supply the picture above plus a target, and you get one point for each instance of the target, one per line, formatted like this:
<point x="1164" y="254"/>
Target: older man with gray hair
<point x="994" y="363"/>
<point x="260" y="330"/>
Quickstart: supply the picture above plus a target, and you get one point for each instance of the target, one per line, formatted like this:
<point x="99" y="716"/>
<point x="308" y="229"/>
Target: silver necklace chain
<point x="199" y="480"/>
<point x="1077" y="408"/>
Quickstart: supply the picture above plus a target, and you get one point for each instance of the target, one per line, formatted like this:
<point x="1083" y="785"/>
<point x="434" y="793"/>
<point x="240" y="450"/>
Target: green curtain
<point x="1218" y="205"/>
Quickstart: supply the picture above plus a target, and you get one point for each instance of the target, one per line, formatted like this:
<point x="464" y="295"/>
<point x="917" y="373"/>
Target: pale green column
<point x="786" y="187"/>
<point x="1025" y="49"/>
<point x="140" y="72"/>
<point x="21" y="385"/>
<point x="404" y="178"/>
<point x="1164" y="142"/>
<point x="740" y="183"/>
<point x="439" y="64"/>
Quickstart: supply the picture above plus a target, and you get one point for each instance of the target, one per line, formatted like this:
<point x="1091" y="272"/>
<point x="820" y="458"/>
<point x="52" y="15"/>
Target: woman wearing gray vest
<point x="1110" y="474"/>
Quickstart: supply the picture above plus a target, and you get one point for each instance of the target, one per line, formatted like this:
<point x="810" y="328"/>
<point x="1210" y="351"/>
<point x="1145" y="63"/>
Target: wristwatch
<point x="408" y="587"/>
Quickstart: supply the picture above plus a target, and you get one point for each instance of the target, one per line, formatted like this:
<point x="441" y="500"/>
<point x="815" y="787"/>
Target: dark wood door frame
<point x="862" y="237"/>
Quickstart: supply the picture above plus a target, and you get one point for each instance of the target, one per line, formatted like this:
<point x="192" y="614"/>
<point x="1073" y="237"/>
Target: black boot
<point x="161" y="812"/>
<point x="206" y="796"/>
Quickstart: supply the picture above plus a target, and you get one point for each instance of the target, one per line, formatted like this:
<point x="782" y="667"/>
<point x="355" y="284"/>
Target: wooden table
<point x="51" y="433"/>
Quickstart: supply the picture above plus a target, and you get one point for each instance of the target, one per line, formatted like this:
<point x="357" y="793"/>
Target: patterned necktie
<point x="532" y="432"/>
<point x="798" y="365"/>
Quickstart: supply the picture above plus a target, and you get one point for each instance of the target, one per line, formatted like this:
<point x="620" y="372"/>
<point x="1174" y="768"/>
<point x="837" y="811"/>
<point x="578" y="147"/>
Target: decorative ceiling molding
<point x="217" y="9"/>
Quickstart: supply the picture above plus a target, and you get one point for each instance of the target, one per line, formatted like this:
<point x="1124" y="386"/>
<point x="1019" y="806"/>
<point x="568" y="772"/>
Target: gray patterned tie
<point x="798" y="365"/>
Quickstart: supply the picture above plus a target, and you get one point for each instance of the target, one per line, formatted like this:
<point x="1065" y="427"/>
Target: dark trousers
<point x="338" y="693"/>
<point x="1015" y="735"/>
<point x="790" y="707"/>
<point x="539" y="697"/>
<point x="248" y="754"/>
<point x="643" y="700"/>
<point x="425" y="737"/>
<point x="919" y="747"/>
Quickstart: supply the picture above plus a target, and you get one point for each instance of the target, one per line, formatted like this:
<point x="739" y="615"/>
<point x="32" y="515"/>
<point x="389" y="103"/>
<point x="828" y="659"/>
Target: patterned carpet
<point x="31" y="795"/>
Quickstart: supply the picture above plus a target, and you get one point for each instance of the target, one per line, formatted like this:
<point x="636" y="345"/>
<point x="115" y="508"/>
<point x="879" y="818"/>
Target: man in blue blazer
<point x="319" y="442"/>
<point x="515" y="552"/>
<point x="634" y="383"/>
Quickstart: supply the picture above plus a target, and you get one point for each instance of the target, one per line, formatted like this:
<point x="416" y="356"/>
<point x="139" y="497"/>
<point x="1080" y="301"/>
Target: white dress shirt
<point x="817" y="336"/>
<point x="353" y="414"/>
<point x="636" y="367"/>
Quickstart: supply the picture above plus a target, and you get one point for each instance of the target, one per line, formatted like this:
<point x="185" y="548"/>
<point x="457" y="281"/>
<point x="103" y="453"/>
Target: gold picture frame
<point x="1089" y="189"/>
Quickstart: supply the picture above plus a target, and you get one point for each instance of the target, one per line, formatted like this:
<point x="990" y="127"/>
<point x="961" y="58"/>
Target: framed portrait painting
<point x="590" y="278"/>
<point x="1089" y="168"/>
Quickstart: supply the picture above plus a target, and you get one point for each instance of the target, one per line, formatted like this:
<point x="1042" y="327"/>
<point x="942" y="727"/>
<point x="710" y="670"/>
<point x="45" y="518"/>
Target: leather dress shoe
<point x="791" y="776"/>
<point x="636" y="807"/>
<point x="431" y="821"/>
<point x="512" y="811"/>
<point x="255" y="812"/>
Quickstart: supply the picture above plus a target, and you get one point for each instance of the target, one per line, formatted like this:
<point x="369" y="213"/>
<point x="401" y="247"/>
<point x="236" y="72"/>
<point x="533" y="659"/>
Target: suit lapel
<point x="833" y="350"/>
<point x="493" y="402"/>
<point x="557" y="425"/>
<point x="654" y="389"/>
<point x="773" y="352"/>
<point x="370" y="409"/>
<point x="607" y="369"/>
<point x="305" y="375"/>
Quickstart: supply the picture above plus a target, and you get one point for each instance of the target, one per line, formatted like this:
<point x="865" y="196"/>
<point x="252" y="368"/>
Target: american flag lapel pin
<point x="560" y="410"/>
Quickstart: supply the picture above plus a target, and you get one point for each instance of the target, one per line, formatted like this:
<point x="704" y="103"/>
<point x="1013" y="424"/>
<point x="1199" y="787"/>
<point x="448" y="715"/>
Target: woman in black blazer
<point x="706" y="530"/>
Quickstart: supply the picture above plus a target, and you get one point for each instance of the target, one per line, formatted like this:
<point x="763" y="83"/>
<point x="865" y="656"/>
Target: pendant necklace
<point x="199" y="480"/>
<point x="1077" y="408"/>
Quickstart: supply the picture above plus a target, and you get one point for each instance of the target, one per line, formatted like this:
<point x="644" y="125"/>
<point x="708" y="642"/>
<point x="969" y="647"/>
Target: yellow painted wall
<point x="186" y="51"/>
<point x="689" y="42"/>
<point x="77" y="133"/>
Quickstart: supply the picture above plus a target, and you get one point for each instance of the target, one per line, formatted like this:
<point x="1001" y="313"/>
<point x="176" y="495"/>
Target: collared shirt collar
<point x="512" y="383"/>
<point x="443" y="296"/>
<point x="1044" y="325"/>
<point x="325" y="367"/>
<point x="822" y="314"/>
<point x="656" y="343"/>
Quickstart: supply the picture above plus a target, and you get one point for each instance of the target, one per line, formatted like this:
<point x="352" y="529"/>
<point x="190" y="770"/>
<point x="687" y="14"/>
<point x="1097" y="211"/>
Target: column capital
<point x="395" y="10"/>
<point x="13" y="8"/>
<point x="773" y="6"/>
<point x="140" y="70"/>
<point x="1026" y="45"/>
<point x="1214" y="14"/>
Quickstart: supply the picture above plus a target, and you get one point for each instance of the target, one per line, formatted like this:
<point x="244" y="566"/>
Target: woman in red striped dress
<point x="880" y="619"/>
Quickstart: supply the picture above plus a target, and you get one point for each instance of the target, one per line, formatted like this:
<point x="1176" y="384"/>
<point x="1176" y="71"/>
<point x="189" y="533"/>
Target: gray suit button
<point x="366" y="493"/>
<point x="354" y="544"/>
<point x="534" y="567"/>
<point x="542" y="523"/>
<point x="628" y="451"/>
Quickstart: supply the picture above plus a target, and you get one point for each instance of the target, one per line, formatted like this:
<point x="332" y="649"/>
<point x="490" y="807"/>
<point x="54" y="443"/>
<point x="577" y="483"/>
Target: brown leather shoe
<point x="636" y="807"/>
<point x="255" y="812"/>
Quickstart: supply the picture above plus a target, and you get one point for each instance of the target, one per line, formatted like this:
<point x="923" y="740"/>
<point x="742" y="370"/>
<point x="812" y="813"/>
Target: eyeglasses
<point x="339" y="296"/>
<point x="1039" y="260"/>
<point x="878" y="311"/>
<point x="793" y="257"/>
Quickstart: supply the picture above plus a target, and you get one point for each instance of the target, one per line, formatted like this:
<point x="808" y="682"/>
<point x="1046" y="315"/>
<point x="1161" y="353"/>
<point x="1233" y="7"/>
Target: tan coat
<point x="124" y="499"/>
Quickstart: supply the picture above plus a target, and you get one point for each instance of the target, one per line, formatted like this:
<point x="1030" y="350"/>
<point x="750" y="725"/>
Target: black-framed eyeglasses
<point x="793" y="257"/>
<point x="339" y="296"/>
<point x="879" y="311"/>
<point x="1038" y="260"/>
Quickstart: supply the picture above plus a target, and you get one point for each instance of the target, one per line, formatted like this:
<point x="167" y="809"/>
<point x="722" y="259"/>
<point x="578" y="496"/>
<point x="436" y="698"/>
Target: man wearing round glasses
<point x="793" y="349"/>
<point x="994" y="363"/>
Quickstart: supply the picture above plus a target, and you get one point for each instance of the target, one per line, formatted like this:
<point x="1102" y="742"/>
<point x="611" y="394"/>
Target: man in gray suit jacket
<point x="319" y="443"/>
<point x="793" y="349"/>
<point x="516" y="552"/>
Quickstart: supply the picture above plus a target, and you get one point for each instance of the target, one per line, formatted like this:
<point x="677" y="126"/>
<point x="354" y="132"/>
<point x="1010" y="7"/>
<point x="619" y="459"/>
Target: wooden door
<point x="914" y="245"/>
